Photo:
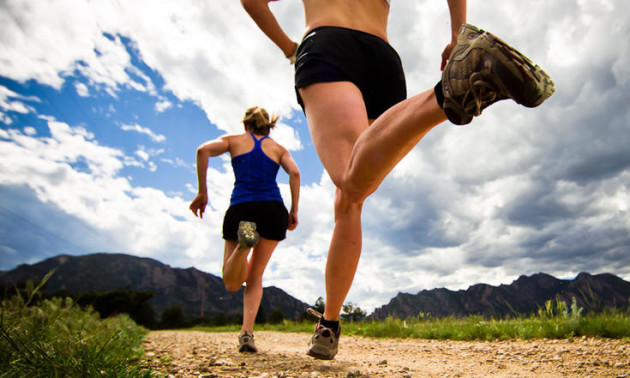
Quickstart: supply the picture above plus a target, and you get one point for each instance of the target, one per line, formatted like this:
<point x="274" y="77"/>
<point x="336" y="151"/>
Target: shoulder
<point x="236" y="138"/>
<point x="227" y="141"/>
<point x="275" y="145"/>
<point x="273" y="149"/>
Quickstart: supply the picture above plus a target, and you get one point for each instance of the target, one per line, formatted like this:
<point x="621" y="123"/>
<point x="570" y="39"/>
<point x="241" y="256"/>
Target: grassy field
<point x="58" y="338"/>
<point x="556" y="321"/>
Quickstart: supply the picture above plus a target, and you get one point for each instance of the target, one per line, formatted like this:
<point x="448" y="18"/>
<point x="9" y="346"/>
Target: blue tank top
<point x="255" y="175"/>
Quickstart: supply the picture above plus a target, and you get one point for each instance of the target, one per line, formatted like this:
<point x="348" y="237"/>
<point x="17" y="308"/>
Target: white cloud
<point x="545" y="188"/>
<point x="15" y="102"/>
<point x="144" y="130"/>
<point x="142" y="154"/>
<point x="178" y="162"/>
<point x="144" y="220"/>
<point x="287" y="137"/>
<point x="163" y="105"/>
<point x="145" y="158"/>
<point x="82" y="89"/>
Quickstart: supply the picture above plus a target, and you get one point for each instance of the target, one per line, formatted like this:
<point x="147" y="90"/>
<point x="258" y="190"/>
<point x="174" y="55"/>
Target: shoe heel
<point x="247" y="234"/>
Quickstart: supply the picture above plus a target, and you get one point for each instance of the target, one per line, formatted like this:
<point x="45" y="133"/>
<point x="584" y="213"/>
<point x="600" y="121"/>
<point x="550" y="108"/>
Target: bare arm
<point x="261" y="14"/>
<point x="288" y="164"/>
<point x="205" y="152"/>
<point x="457" y="9"/>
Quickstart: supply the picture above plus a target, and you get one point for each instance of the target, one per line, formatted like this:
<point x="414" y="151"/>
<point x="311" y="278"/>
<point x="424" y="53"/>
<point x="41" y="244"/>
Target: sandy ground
<point x="200" y="354"/>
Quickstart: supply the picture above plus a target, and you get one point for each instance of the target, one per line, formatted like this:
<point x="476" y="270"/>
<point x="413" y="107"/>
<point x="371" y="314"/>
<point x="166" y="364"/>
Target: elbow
<point x="202" y="155"/>
<point x="201" y="151"/>
<point x="295" y="175"/>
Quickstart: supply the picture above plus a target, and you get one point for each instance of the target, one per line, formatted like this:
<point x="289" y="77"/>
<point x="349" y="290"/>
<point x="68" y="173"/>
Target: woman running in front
<point x="257" y="218"/>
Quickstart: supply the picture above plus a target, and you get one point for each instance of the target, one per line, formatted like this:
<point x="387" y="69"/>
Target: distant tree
<point x="236" y="318"/>
<point x="173" y="317"/>
<point x="220" y="319"/>
<point x="319" y="305"/>
<point x="277" y="316"/>
<point x="261" y="317"/>
<point x="352" y="312"/>
<point x="120" y="301"/>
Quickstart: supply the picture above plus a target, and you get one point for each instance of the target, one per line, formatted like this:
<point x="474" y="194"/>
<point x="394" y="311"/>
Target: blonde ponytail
<point x="258" y="121"/>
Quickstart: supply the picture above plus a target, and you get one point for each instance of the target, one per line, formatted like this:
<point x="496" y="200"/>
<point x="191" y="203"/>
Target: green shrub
<point x="556" y="320"/>
<point x="56" y="338"/>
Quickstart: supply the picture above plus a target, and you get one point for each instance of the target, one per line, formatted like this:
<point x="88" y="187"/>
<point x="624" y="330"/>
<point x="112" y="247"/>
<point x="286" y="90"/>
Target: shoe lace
<point x="482" y="92"/>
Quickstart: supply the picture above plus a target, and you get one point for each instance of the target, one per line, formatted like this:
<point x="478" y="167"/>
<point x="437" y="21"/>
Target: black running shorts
<point x="329" y="54"/>
<point x="271" y="218"/>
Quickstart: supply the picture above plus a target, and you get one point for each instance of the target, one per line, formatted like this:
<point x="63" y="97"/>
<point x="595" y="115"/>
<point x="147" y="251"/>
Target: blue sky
<point x="102" y="105"/>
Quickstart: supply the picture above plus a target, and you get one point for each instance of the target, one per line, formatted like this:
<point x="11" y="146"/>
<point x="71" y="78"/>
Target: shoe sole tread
<point x="518" y="64"/>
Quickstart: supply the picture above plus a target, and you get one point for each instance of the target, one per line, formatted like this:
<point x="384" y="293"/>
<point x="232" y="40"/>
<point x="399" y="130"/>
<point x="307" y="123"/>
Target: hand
<point x="447" y="54"/>
<point x="293" y="221"/>
<point x="199" y="204"/>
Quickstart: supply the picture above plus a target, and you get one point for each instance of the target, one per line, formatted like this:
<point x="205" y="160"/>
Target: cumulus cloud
<point x="82" y="89"/>
<point x="139" y="220"/>
<point x="15" y="102"/>
<point x="144" y="130"/>
<point x="516" y="192"/>
<point x="162" y="105"/>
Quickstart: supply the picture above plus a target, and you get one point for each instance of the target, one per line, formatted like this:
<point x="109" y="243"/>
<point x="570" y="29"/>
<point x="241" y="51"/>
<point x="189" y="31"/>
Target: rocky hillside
<point x="197" y="293"/>
<point x="524" y="296"/>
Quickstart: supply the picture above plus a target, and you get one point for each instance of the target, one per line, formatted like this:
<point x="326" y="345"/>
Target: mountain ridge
<point x="201" y="294"/>
<point x="196" y="292"/>
<point x="525" y="295"/>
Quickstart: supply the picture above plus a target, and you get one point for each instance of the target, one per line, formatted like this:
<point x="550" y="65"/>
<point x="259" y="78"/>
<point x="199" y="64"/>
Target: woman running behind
<point x="257" y="217"/>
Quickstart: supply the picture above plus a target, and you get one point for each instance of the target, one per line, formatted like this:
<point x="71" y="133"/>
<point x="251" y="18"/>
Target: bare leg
<point x="234" y="265"/>
<point x="336" y="117"/>
<point x="254" y="286"/>
<point x="389" y="139"/>
<point x="357" y="159"/>
<point x="343" y="254"/>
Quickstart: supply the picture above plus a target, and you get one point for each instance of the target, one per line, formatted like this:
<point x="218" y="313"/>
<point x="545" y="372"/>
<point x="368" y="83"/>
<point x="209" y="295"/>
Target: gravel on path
<point x="282" y="355"/>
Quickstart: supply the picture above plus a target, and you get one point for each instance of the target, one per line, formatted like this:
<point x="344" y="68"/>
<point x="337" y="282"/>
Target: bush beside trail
<point x="57" y="338"/>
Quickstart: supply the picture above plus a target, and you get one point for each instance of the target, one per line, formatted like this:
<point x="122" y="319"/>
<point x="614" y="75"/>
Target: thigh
<point x="336" y="116"/>
<point x="229" y="248"/>
<point x="260" y="257"/>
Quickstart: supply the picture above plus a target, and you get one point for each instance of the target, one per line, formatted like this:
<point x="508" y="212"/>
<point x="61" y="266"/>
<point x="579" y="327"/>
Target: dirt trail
<point x="282" y="355"/>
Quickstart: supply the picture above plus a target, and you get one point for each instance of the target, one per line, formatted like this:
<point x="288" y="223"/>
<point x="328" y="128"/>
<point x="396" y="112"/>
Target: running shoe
<point x="246" y="343"/>
<point x="482" y="70"/>
<point x="325" y="341"/>
<point x="247" y="235"/>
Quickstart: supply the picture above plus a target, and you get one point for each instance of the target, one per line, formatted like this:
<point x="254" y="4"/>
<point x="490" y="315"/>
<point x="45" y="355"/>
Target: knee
<point x="357" y="189"/>
<point x="351" y="194"/>
<point x="232" y="286"/>
<point x="347" y="201"/>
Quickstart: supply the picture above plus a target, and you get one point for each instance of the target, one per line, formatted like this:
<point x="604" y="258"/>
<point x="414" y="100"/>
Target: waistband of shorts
<point x="341" y="28"/>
